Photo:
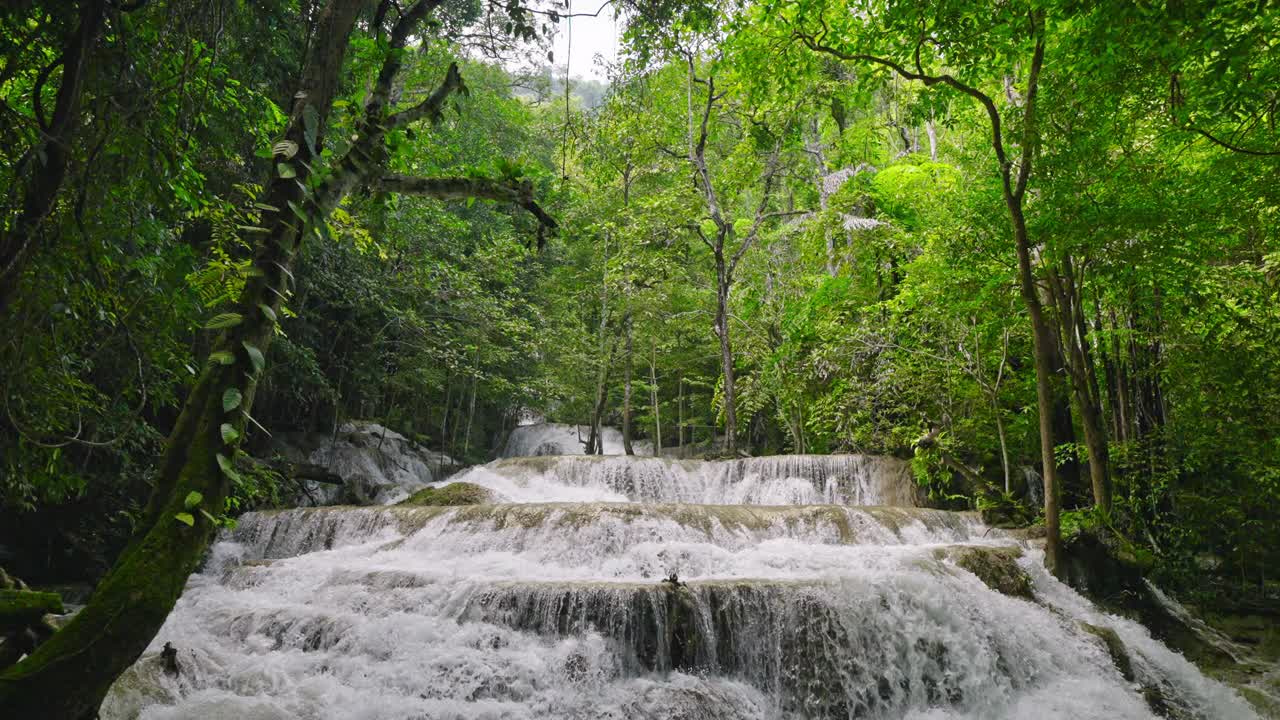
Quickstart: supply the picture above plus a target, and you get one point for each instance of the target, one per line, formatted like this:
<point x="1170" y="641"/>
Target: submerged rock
<point x="997" y="567"/>
<point x="458" y="493"/>
<point x="1115" y="648"/>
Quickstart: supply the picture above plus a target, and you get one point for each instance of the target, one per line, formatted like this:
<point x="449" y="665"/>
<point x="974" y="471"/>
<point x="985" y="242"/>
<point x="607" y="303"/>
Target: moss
<point x="997" y="567"/>
<point x="1115" y="648"/>
<point x="20" y="608"/>
<point x="458" y="493"/>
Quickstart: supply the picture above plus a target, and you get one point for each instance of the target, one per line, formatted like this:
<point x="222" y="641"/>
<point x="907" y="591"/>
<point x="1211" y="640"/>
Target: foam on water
<point x="635" y="608"/>
<point x="773" y="480"/>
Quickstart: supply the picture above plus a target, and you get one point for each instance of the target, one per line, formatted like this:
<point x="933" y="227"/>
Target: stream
<point x="638" y="587"/>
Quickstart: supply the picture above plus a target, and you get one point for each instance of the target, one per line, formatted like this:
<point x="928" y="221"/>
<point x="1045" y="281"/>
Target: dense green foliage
<point x="873" y="302"/>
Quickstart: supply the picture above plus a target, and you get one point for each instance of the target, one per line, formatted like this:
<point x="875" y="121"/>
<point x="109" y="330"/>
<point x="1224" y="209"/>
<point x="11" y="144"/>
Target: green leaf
<point x="222" y="357"/>
<point x="193" y="499"/>
<point x="231" y="399"/>
<point x="267" y="312"/>
<point x="185" y="519"/>
<point x="297" y="210"/>
<point x="211" y="518"/>
<point x="311" y="126"/>
<point x="227" y="468"/>
<point x="287" y="148"/>
<point x="229" y="433"/>
<point x="224" y="320"/>
<point x="255" y="356"/>
<point x="285" y="170"/>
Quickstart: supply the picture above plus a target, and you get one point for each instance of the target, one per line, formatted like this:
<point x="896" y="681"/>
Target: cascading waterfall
<point x="542" y="438"/>
<point x="785" y="587"/>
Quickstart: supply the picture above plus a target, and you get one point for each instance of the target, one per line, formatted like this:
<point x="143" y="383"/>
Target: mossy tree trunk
<point x="68" y="676"/>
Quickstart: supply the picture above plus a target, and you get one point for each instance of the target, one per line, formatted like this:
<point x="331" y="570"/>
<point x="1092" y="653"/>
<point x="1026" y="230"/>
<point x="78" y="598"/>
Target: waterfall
<point x="774" y="480"/>
<point x="615" y="587"/>
<point x="542" y="438"/>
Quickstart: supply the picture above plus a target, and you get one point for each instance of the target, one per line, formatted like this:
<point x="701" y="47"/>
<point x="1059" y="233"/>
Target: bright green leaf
<point x="224" y="320"/>
<point x="231" y="399"/>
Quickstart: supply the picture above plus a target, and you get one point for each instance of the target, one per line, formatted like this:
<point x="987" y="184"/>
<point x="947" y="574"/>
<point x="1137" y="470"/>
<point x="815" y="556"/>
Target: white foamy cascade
<point x="774" y="480"/>
<point x="761" y="589"/>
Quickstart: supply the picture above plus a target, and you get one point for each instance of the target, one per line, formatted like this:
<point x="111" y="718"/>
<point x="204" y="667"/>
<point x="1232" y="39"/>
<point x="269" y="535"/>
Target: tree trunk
<point x="653" y="399"/>
<point x="1043" y="343"/>
<point x="726" y="358"/>
<point x="680" y="414"/>
<point x="49" y="159"/>
<point x="627" y="369"/>
<point x="471" y="414"/>
<point x="933" y="138"/>
<point x="1066" y="295"/>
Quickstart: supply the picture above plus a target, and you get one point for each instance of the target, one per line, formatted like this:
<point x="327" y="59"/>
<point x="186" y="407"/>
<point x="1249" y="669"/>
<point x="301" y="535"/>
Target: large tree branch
<point x="1030" y="133"/>
<point x="380" y="98"/>
<point x="516" y="192"/>
<point x="814" y="42"/>
<point x="433" y="107"/>
<point x="1231" y="146"/>
<point x="698" y="149"/>
<point x="761" y="209"/>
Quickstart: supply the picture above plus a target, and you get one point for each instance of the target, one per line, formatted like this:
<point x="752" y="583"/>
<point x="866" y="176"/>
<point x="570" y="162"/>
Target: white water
<point x="543" y="438"/>
<point x="775" y="480"/>
<point x="555" y="606"/>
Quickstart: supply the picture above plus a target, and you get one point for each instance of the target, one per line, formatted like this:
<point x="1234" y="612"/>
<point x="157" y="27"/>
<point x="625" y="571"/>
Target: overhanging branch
<point x="433" y="106"/>
<point x="516" y="192"/>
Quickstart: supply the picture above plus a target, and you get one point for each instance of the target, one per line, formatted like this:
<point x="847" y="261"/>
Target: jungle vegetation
<point x="1034" y="246"/>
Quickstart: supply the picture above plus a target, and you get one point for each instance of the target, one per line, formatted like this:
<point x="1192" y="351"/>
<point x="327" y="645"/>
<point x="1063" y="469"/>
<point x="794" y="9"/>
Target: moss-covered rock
<point x="1115" y="648"/>
<point x="458" y="493"/>
<point x="997" y="567"/>
<point x="20" y="608"/>
<point x="1106" y="567"/>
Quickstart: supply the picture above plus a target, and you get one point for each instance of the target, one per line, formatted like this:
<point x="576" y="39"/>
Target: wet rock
<point x="458" y="493"/>
<point x="997" y="567"/>
<point x="1115" y="648"/>
<point x="1102" y="566"/>
<point x="377" y="465"/>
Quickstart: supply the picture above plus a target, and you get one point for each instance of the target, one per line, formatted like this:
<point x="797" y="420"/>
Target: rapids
<point x="785" y="587"/>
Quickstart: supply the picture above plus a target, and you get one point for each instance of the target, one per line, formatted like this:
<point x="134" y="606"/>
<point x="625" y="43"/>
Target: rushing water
<point x="789" y="587"/>
<point x="543" y="438"/>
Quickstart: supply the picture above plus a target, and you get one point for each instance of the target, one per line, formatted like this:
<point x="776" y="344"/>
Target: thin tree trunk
<point x="726" y="358"/>
<point x="933" y="138"/>
<point x="471" y="414"/>
<point x="1004" y="448"/>
<point x="680" y="414"/>
<point x="1066" y="296"/>
<point x="653" y="396"/>
<point x="1042" y="342"/>
<point x="627" y="370"/>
